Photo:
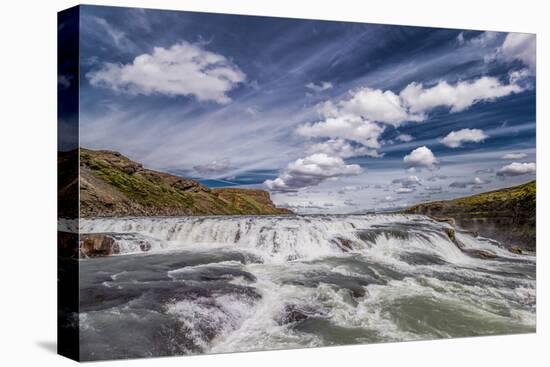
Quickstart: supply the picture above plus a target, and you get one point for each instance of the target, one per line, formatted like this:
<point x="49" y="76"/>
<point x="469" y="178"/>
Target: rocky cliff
<point x="113" y="185"/>
<point x="507" y="215"/>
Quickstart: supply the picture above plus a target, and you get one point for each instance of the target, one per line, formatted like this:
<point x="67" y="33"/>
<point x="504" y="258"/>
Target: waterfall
<point x="285" y="238"/>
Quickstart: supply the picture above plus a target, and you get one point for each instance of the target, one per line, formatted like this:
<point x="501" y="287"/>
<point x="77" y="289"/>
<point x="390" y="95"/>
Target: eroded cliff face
<point x="507" y="215"/>
<point x="113" y="185"/>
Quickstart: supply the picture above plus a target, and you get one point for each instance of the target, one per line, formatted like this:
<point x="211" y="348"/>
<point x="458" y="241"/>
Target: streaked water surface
<point x="225" y="284"/>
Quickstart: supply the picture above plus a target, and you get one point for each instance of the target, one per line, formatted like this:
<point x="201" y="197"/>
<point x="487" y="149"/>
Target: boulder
<point x="516" y="250"/>
<point x="131" y="168"/>
<point x="97" y="244"/>
<point x="451" y="233"/>
<point x="481" y="254"/>
<point x="144" y="245"/>
<point x="292" y="314"/>
<point x="344" y="244"/>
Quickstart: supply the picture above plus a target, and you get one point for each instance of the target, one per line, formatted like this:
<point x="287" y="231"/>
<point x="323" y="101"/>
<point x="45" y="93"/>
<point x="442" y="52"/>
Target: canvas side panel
<point x="67" y="182"/>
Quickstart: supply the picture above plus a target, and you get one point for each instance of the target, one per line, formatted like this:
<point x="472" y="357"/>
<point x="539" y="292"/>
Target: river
<point x="194" y="285"/>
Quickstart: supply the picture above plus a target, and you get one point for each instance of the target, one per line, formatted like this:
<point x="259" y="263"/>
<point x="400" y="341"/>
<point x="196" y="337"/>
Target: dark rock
<point x="421" y="259"/>
<point x="98" y="244"/>
<point x="451" y="233"/>
<point x="131" y="168"/>
<point x="292" y="314"/>
<point x="186" y="185"/>
<point x="357" y="292"/>
<point x="343" y="244"/>
<point x="516" y="250"/>
<point x="481" y="254"/>
<point x="471" y="233"/>
<point x="486" y="254"/>
<point x="144" y="245"/>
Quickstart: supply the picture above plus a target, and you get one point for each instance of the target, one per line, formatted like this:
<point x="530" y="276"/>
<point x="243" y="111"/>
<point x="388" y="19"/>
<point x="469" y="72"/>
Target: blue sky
<point x="327" y="116"/>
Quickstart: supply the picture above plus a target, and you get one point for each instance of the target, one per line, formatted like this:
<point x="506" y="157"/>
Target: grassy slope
<point x="113" y="185"/>
<point x="508" y="215"/>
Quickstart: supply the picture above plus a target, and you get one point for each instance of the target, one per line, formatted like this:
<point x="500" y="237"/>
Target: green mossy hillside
<point x="113" y="185"/>
<point x="508" y="215"/>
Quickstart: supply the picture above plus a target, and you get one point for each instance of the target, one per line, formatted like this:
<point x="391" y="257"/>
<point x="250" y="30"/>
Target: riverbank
<point x="507" y="215"/>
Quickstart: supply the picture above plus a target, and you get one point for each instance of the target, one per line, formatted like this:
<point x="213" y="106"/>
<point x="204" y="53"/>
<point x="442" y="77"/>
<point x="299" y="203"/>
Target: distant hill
<point x="507" y="215"/>
<point x="113" y="185"/>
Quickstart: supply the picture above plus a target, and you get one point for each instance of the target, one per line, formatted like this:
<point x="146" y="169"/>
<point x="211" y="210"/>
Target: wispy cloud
<point x="476" y="181"/>
<point x="514" y="156"/>
<point x="404" y="138"/>
<point x="320" y="87"/>
<point x="107" y="32"/>
<point x="214" y="168"/>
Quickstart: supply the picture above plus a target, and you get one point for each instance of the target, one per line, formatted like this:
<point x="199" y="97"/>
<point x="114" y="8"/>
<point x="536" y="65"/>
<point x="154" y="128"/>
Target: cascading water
<point x="214" y="284"/>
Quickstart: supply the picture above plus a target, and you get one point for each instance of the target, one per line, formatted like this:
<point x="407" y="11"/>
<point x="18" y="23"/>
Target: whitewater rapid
<point x="224" y="284"/>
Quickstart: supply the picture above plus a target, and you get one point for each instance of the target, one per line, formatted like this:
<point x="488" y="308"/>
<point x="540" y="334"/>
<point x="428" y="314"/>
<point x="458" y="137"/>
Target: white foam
<point x="276" y="239"/>
<point x="205" y="316"/>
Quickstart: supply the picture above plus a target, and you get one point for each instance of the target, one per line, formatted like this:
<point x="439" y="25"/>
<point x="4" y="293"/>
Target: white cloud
<point x="433" y="188"/>
<point x="390" y="199"/>
<point x="520" y="46"/>
<point x="436" y="178"/>
<point x="410" y="181"/>
<point x="181" y="70"/>
<point x="404" y="190"/>
<point x="213" y="168"/>
<point x="311" y="171"/>
<point x="251" y="111"/>
<point x="518" y="76"/>
<point x="484" y="39"/>
<point x="484" y="171"/>
<point x="457" y="97"/>
<point x="341" y="148"/>
<point x="460" y="38"/>
<point x="353" y="126"/>
<point x="352" y="188"/>
<point x="348" y="127"/>
<point x="517" y="169"/>
<point x="404" y="138"/>
<point x="455" y="138"/>
<point x="322" y="86"/>
<point x="362" y="117"/>
<point x="420" y="157"/>
<point x="377" y="105"/>
<point x="358" y="119"/>
<point x="463" y="184"/>
<point x="514" y="156"/>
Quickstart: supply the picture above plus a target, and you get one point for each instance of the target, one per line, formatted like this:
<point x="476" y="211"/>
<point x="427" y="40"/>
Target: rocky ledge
<point x="506" y="215"/>
<point x="111" y="185"/>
